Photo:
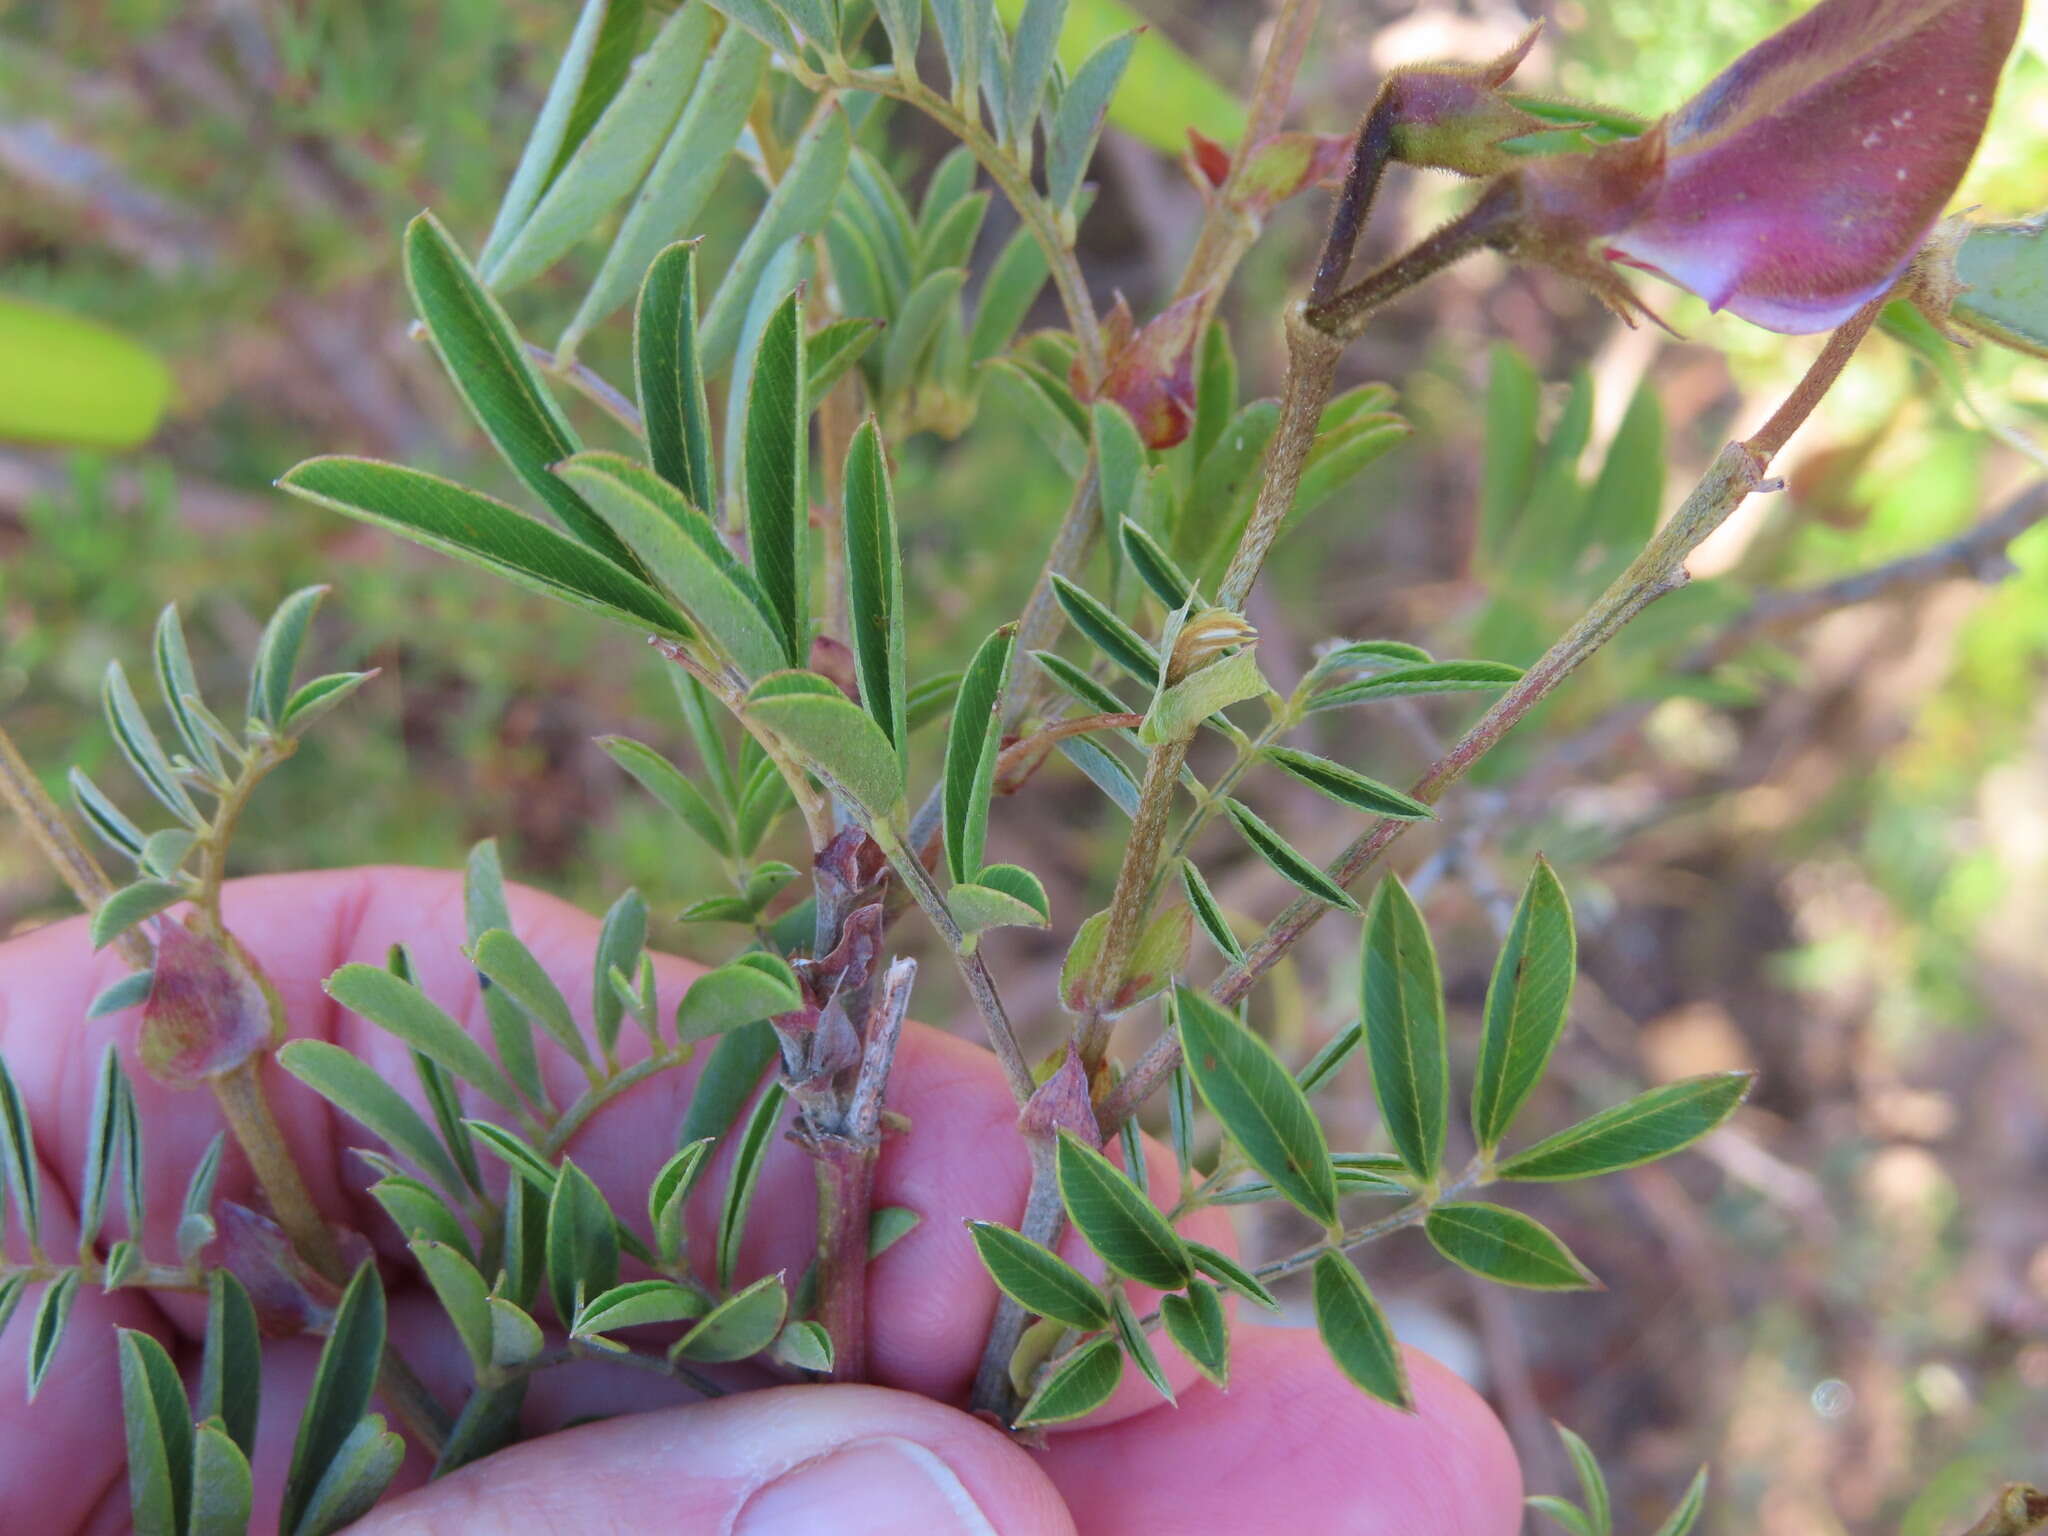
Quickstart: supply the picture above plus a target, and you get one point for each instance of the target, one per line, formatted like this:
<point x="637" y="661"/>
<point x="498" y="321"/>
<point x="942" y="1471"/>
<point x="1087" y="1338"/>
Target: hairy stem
<point x="593" y="386"/>
<point x="1132" y="899"/>
<point x="63" y="848"/>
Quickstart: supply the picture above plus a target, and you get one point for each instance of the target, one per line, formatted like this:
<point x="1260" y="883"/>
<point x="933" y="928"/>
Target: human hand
<point x="1291" y="1446"/>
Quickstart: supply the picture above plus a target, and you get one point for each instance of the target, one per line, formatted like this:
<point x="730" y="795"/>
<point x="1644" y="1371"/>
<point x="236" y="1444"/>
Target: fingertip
<point x="858" y="1461"/>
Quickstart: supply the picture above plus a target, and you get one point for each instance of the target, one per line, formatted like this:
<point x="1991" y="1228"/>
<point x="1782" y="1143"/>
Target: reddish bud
<point x="1151" y="371"/>
<point x="1210" y="159"/>
<point x="208" y="1009"/>
<point x="1798" y="185"/>
<point x="288" y="1295"/>
<point x="1062" y="1103"/>
<point x="1288" y="163"/>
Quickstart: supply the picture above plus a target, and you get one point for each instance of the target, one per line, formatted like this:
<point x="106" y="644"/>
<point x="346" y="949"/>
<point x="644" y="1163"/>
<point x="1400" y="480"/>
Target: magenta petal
<point x="1801" y="181"/>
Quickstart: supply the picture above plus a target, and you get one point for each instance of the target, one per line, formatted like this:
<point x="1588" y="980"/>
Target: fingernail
<point x="878" y="1487"/>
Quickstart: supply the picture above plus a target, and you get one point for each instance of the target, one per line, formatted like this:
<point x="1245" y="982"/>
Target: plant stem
<point x="65" y="851"/>
<point x="1131" y="901"/>
<point x="1736" y="471"/>
<point x="1043" y="1218"/>
<point x="981" y="987"/>
<point x="593" y="386"/>
<point x="1486" y="222"/>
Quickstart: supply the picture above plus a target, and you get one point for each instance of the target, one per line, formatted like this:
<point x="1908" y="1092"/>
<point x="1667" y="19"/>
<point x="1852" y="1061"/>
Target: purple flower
<point x="1798" y="185"/>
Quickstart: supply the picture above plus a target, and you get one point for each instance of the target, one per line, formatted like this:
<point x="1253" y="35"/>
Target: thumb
<point x="856" y="1461"/>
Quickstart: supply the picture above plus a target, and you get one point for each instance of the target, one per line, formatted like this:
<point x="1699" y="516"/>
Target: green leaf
<point x="1336" y="1051"/>
<point x="515" y="1337"/>
<point x="1176" y="711"/>
<point x="355" y="1479"/>
<point x="832" y="350"/>
<point x="777" y="454"/>
<point x="1156" y="568"/>
<point x="343" y="1382"/>
<point x="277" y="656"/>
<point x="972" y="745"/>
<point x="1164" y="88"/>
<point x="231" y="1362"/>
<point x="177" y="682"/>
<point x="439" y="1089"/>
<point x="795" y="210"/>
<point x="362" y="1093"/>
<point x="1402" y="1005"/>
<point x="1209" y="912"/>
<point x="874" y="585"/>
<point x="1649" y="1126"/>
<point x="902" y="20"/>
<point x="1289" y="862"/>
<point x="1007" y="293"/>
<point x="1348" y="787"/>
<point x="482" y="354"/>
<point x="1592" y="1481"/>
<point x="592" y="67"/>
<point x="1219" y="501"/>
<point x="1196" y="1324"/>
<point x="1622" y="507"/>
<point x="677" y="188"/>
<point x="515" y="1154"/>
<point x="963" y="27"/>
<point x="1130" y="1233"/>
<point x="1513" y="398"/>
<point x="1130" y="1336"/>
<point x="1161" y="950"/>
<point x="509" y="964"/>
<point x="888" y="1226"/>
<point x="747" y="1162"/>
<point x="582" y="1242"/>
<point x="1104" y="772"/>
<point x="1687" y="1514"/>
<point x="912" y="332"/>
<point x="316" y="698"/>
<point x="463" y="1296"/>
<point x="1038" y="1279"/>
<point x="1076" y="125"/>
<point x="621" y="939"/>
<point x="1499" y="1244"/>
<point x="484" y="908"/>
<point x="1526" y="1005"/>
<point x="666" y="1196"/>
<point x="1355" y="1331"/>
<point x="736" y="994"/>
<point x="670" y="375"/>
<point x="1032" y="55"/>
<point x="195" y="1219"/>
<point x="1047" y="405"/>
<point x="728" y="1081"/>
<point x="668" y="784"/>
<point x="18" y="1150"/>
<point x="223" y="1491"/>
<point x="405" y="1011"/>
<point x="835" y="737"/>
<point x="132" y="904"/>
<point x="46" y="1333"/>
<point x="684" y="553"/>
<point x="1259" y="1103"/>
<point x="110" y="1122"/>
<point x="1004" y="896"/>
<point x="610" y="160"/>
<point x="1338" y="456"/>
<point x="417" y="1211"/>
<point x="1078" y="1387"/>
<point x="474" y="527"/>
<point x="139" y="745"/>
<point x="1111" y="635"/>
<point x="744" y="1324"/>
<point x="2005" y="270"/>
<point x="159" y="1435"/>
<point x="104" y="817"/>
<point x="1432" y="677"/>
<point x="522" y="1252"/>
<point x="131" y="991"/>
<point x="804" y="1346"/>
<point x="636" y="1303"/>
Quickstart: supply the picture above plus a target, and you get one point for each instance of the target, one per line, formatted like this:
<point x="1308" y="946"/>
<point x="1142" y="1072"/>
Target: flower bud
<point x="1151" y="370"/>
<point x="1798" y="185"/>
<point x="208" y="1009"/>
<point x="1452" y="116"/>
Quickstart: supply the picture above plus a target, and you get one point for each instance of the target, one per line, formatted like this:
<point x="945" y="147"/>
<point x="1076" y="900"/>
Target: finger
<point x="856" y="1461"/>
<point x="65" y="1430"/>
<point x="1294" y="1445"/>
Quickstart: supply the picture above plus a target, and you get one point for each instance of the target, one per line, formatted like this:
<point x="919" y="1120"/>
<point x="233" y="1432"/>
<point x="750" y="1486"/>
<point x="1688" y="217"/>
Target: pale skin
<point x="1292" y="1445"/>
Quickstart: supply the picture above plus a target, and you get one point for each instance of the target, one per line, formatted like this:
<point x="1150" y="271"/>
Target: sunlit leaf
<point x="1647" y="1127"/>
<point x="1077" y="1387"/>
<point x="1130" y="1233"/>
<point x="1402" y="1005"/>
<point x="1355" y="1331"/>
<point x="1038" y="1279"/>
<point x="1526" y="1005"/>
